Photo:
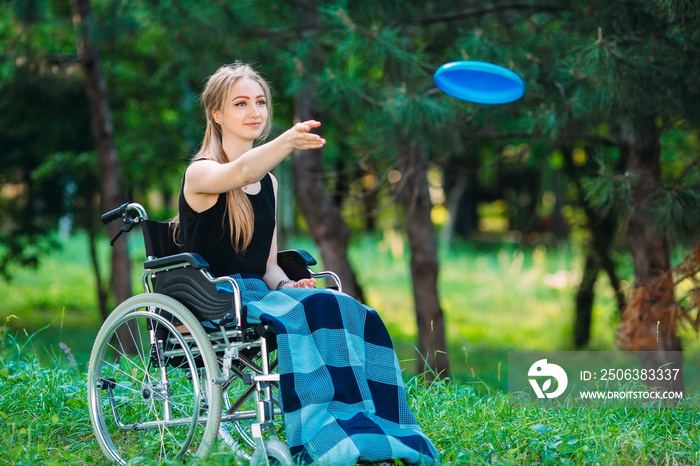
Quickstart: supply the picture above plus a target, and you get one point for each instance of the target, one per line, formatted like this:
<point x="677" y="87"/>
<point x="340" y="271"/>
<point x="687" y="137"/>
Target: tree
<point x="103" y="133"/>
<point x="422" y="239"/>
<point x="597" y="257"/>
<point x="398" y="123"/>
<point x="38" y="116"/>
<point x="46" y="147"/>
<point x="326" y="224"/>
<point x="619" y="63"/>
<point x="636" y="55"/>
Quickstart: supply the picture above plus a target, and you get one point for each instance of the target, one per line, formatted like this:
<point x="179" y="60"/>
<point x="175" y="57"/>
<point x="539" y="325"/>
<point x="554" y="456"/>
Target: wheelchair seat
<point x="186" y="277"/>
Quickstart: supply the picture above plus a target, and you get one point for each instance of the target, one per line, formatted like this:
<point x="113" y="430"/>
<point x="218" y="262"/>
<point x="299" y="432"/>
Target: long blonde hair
<point x="238" y="207"/>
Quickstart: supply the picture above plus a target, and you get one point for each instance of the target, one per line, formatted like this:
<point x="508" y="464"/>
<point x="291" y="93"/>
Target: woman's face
<point x="244" y="113"/>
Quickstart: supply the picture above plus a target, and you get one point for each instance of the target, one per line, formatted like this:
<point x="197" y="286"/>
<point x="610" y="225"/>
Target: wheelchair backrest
<point x="159" y="238"/>
<point x="182" y="276"/>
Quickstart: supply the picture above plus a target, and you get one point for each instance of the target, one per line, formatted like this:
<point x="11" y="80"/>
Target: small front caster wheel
<point x="277" y="453"/>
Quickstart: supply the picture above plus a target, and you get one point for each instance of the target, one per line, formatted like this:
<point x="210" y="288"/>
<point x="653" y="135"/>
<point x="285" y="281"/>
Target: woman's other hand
<point x="303" y="283"/>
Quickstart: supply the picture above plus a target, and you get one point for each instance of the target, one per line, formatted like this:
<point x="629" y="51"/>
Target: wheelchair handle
<point x="112" y="215"/>
<point x="130" y="213"/>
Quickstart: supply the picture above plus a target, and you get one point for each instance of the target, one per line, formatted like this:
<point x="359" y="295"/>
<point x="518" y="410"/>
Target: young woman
<point x="342" y="393"/>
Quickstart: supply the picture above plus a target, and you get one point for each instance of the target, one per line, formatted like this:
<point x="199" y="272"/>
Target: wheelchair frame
<point x="154" y="359"/>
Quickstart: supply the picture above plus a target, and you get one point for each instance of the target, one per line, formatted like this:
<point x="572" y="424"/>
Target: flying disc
<point x="479" y="82"/>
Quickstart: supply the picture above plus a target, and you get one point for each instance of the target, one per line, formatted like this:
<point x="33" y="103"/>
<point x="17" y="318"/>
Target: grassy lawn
<point x="496" y="299"/>
<point x="44" y="420"/>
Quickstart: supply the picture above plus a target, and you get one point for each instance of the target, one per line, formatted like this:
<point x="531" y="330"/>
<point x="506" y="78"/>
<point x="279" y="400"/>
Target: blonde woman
<point x="341" y="388"/>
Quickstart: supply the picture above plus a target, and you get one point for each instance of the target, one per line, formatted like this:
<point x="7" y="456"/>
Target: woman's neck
<point x="234" y="147"/>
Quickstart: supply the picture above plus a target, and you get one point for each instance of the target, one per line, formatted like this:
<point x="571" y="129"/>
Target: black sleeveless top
<point x="206" y="234"/>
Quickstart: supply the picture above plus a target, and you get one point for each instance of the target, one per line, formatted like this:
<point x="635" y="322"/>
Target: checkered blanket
<point x="342" y="392"/>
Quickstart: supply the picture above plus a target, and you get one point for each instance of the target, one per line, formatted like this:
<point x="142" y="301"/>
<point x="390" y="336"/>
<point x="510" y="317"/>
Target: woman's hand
<point x="301" y="138"/>
<point x="303" y="283"/>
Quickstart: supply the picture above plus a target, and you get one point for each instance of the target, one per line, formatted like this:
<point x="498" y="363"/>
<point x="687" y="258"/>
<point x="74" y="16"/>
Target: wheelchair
<point x="176" y="372"/>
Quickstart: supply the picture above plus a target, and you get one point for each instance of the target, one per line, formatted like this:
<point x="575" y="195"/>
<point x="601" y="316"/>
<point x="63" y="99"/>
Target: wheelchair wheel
<point x="151" y="390"/>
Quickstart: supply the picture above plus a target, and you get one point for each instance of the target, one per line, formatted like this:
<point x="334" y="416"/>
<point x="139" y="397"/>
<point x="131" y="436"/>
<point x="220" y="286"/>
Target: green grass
<point x="496" y="298"/>
<point x="44" y="420"/>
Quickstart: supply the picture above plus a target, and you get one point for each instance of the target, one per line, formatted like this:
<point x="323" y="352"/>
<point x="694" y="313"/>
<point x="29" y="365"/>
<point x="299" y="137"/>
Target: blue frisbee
<point x="479" y="82"/>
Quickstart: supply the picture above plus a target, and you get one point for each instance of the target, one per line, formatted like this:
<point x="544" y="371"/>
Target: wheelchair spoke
<point x="144" y="362"/>
<point x="118" y="369"/>
<point x="123" y="355"/>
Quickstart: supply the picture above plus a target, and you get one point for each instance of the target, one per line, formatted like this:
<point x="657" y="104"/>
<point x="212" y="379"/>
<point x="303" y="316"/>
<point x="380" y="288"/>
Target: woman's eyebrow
<point x="262" y="96"/>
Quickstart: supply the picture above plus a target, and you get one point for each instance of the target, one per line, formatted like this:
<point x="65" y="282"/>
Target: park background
<point x="557" y="222"/>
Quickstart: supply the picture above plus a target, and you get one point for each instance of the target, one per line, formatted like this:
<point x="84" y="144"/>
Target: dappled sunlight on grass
<point x="496" y="298"/>
<point x="61" y="291"/>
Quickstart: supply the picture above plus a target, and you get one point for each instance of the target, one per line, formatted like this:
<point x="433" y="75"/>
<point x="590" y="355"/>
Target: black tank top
<point x="206" y="234"/>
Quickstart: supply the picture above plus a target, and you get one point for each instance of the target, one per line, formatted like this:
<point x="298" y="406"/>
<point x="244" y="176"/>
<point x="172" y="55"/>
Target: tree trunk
<point x="455" y="195"/>
<point x="327" y="227"/>
<point x="602" y="231"/>
<point x="461" y="188"/>
<point x="102" y="291"/>
<point x="649" y="322"/>
<point x="103" y="133"/>
<point x="584" y="300"/>
<point x="326" y="224"/>
<point x="415" y="196"/>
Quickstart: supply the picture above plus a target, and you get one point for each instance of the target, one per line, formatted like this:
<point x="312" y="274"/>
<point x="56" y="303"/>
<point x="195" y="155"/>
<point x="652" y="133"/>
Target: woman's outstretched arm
<point x="210" y="177"/>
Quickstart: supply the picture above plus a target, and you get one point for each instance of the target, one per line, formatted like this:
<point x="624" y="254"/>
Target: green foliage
<point x="609" y="191"/>
<point x="682" y="14"/>
<point x="42" y="112"/>
<point x="675" y="202"/>
<point x="371" y="64"/>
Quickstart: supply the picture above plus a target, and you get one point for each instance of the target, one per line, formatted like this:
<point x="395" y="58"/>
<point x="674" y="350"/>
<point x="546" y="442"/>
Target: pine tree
<point x="633" y="76"/>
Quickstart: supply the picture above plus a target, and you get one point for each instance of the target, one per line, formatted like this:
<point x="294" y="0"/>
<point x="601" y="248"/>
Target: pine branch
<point x="15" y="43"/>
<point x="687" y="171"/>
<point x="350" y="24"/>
<point x="593" y="138"/>
<point x="608" y="192"/>
<point x="481" y="11"/>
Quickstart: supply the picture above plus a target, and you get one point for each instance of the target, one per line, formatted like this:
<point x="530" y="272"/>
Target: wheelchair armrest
<point x="295" y="263"/>
<point x="190" y="258"/>
<point x="298" y="255"/>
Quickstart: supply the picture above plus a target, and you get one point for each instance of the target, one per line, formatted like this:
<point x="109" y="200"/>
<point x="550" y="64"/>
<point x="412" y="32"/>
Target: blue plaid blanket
<point x="341" y="388"/>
